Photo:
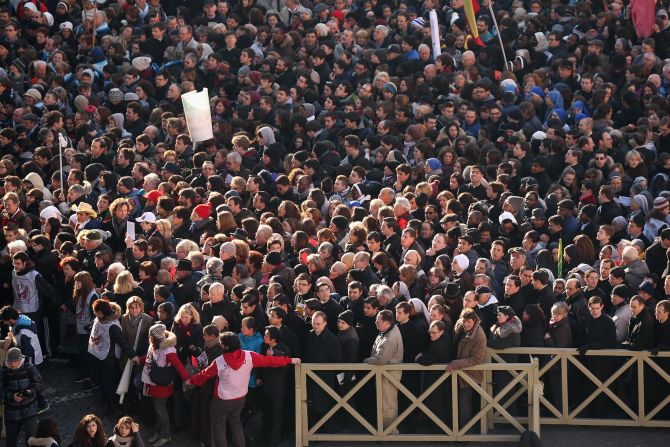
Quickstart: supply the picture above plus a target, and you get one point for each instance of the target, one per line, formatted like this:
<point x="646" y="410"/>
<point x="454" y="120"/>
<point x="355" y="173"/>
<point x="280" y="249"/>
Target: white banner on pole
<point x="198" y="115"/>
<point x="435" y="34"/>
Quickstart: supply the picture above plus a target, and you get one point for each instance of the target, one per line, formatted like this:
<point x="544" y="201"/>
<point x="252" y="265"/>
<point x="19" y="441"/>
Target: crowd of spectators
<point x="363" y="199"/>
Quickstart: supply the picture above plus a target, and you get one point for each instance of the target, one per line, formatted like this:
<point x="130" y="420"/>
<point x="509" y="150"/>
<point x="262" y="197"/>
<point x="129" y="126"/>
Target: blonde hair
<point x="164" y="227"/>
<point x="124" y="283"/>
<point x="187" y="308"/>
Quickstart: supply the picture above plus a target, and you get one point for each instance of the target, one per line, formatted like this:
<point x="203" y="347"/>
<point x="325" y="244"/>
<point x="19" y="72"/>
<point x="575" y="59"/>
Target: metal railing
<point x="587" y="381"/>
<point x="310" y="427"/>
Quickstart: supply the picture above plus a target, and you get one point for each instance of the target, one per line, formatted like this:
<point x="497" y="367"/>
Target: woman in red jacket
<point x="232" y="371"/>
<point x="162" y="353"/>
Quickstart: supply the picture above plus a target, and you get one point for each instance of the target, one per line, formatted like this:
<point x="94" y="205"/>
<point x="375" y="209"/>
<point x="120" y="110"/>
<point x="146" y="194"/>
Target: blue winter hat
<point x="434" y="164"/>
<point x="97" y="54"/>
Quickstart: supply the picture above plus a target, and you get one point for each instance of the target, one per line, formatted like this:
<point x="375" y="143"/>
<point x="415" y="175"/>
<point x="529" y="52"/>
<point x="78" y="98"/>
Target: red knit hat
<point x="153" y="196"/>
<point x="588" y="199"/>
<point x="203" y="211"/>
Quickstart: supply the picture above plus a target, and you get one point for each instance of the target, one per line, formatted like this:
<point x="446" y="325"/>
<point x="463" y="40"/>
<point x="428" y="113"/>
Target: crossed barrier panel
<point x="604" y="387"/>
<point x="347" y="403"/>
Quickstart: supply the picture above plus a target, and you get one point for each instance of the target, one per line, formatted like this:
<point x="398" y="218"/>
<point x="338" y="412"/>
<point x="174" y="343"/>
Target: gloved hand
<point x="654" y="350"/>
<point x="582" y="350"/>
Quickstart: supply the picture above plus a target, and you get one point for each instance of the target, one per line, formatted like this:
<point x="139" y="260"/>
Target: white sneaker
<point x="162" y="441"/>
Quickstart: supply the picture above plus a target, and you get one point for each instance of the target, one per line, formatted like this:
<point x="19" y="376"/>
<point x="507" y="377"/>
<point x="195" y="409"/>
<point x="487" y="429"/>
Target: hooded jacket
<point x="25" y="333"/>
<point x="232" y="371"/>
<point x="38" y="183"/>
<point x="165" y="355"/>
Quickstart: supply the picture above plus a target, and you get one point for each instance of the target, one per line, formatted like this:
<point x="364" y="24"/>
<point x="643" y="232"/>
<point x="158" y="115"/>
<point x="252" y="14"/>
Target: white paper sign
<point x="435" y="33"/>
<point x="198" y="115"/>
<point x="130" y="230"/>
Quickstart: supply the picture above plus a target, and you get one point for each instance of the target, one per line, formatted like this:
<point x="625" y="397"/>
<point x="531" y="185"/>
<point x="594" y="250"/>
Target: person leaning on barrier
<point x="387" y="350"/>
<point x="559" y="335"/>
<point x="470" y="343"/>
<point x="600" y="328"/>
<point x="438" y="351"/>
<point x="641" y="326"/>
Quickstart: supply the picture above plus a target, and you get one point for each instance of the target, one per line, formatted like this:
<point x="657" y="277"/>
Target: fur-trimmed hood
<point x="511" y="327"/>
<point x="42" y="442"/>
<point x="170" y="340"/>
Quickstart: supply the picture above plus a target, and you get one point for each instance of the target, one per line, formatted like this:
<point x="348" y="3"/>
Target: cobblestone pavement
<point x="68" y="405"/>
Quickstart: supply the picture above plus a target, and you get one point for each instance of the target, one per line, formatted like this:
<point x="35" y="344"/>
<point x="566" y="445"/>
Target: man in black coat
<point x="655" y="255"/>
<point x="219" y="305"/>
<point x="640" y="327"/>
<point x="600" y="333"/>
<point x="276" y="317"/>
<point x="354" y="301"/>
<point x="414" y="340"/>
<point x="578" y="313"/>
<point x="544" y="296"/>
<point x="350" y="346"/>
<point x="184" y="290"/>
<point x="513" y="297"/>
<point x="366" y="328"/>
<point x="440" y="350"/>
<point x="329" y="306"/>
<point x="321" y="347"/>
<point x="391" y="230"/>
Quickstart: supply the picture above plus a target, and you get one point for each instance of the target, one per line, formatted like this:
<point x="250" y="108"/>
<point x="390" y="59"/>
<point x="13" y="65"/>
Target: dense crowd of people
<point x="363" y="199"/>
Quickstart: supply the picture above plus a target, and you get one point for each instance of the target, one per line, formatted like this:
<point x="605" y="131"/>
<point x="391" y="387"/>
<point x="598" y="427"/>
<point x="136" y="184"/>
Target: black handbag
<point x="162" y="375"/>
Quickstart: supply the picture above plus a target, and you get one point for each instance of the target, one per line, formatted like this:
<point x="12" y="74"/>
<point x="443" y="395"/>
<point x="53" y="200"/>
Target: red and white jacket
<point x="232" y="371"/>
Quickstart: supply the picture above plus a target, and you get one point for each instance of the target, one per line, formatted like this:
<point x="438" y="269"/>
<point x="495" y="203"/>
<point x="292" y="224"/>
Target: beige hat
<point x="85" y="208"/>
<point x="33" y="93"/>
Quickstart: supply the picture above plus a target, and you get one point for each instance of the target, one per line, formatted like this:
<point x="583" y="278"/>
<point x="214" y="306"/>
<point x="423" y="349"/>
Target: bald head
<point x="468" y="58"/>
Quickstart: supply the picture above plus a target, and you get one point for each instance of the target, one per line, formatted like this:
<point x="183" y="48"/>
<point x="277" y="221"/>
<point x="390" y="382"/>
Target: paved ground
<point x="69" y="404"/>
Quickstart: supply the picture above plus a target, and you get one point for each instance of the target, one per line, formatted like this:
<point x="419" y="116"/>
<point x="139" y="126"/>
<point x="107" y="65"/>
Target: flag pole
<point x="62" y="145"/>
<point x="495" y="24"/>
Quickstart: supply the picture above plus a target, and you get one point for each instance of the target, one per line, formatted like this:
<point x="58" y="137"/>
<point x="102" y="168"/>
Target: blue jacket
<point x="25" y="333"/>
<point x="253" y="344"/>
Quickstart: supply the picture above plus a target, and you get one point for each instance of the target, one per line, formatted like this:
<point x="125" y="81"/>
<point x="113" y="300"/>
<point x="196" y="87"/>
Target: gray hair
<point x="214" y="266"/>
<point x="17" y="246"/>
<point x="215" y="286"/>
<point x="152" y="179"/>
<point x="116" y="268"/>
<point x="168" y="263"/>
<point x="560" y="308"/>
<point x="385" y="291"/>
<point x="264" y="230"/>
<point x="78" y="189"/>
<point x="234" y="157"/>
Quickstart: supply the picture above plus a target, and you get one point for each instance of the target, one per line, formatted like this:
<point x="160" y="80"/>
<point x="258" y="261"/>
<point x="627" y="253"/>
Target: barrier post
<point x="640" y="387"/>
<point x="378" y="399"/>
<point x="299" y="423"/>
<point x="534" y="390"/>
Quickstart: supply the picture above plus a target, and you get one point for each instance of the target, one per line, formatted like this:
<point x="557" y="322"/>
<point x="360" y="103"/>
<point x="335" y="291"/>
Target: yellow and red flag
<point x="471" y="9"/>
